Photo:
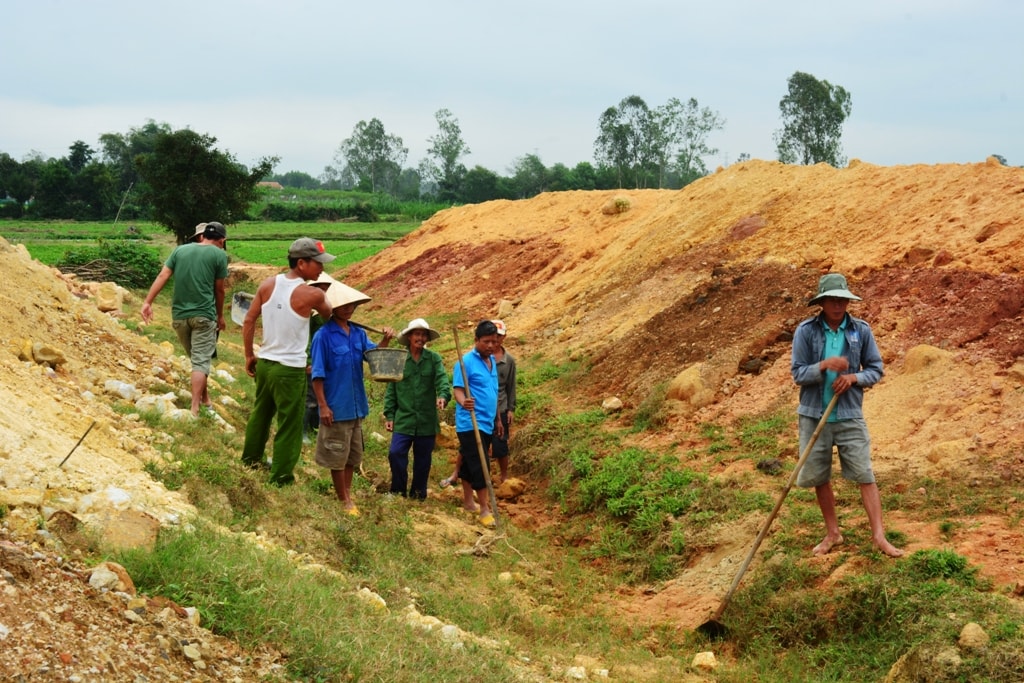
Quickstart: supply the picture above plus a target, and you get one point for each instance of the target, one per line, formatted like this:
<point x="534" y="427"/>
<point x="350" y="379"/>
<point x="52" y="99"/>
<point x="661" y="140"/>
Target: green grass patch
<point x="787" y="627"/>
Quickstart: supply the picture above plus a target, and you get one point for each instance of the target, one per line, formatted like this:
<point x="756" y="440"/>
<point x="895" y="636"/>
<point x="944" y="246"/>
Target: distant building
<point x="272" y="184"/>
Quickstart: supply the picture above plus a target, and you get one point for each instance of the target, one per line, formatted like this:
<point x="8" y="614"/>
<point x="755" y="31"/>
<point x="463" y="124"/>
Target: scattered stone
<point x="123" y="389"/>
<point x="611" y="404"/>
<point x="754" y="366"/>
<point x="15" y="561"/>
<point x="192" y="653"/>
<point x="927" y="663"/>
<point x="126" y="529"/>
<point x="511" y="488"/>
<point x="705" y="661"/>
<point x="109" y="297"/>
<point x="973" y="637"/>
<point x="689" y="387"/>
<point x="46" y="354"/>
<point x="770" y="466"/>
<point x="372" y="598"/>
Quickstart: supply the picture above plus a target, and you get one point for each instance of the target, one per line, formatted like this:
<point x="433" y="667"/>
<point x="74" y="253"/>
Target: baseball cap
<point x="215" y="231"/>
<point x="305" y="247"/>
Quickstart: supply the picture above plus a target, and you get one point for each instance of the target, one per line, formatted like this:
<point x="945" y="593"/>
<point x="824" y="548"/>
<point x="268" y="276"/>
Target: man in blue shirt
<point x="835" y="353"/>
<point x="482" y="400"/>
<point x="337" y="374"/>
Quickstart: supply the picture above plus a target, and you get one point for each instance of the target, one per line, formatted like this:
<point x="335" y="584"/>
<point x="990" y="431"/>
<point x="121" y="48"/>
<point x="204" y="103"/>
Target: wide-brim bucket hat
<point x="832" y="284"/>
<point x="340" y="294"/>
<point x="417" y="324"/>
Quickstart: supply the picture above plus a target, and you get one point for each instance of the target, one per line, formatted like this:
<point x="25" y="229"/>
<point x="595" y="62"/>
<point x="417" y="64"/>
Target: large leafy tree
<point x="188" y="181"/>
<point x="813" y="113"/>
<point x="119" y="151"/>
<point x="626" y="141"/>
<point x="529" y="176"/>
<point x="19" y="180"/>
<point x="74" y="187"/>
<point x="480" y="185"/>
<point x="373" y="156"/>
<point x="684" y="128"/>
<point x="442" y="164"/>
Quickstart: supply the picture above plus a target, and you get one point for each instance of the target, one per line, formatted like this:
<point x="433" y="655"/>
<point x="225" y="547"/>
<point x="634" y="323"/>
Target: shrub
<point x="125" y="262"/>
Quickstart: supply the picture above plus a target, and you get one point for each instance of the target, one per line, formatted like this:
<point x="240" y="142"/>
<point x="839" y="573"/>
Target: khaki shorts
<point x="851" y="439"/>
<point x="198" y="336"/>
<point x="340" y="445"/>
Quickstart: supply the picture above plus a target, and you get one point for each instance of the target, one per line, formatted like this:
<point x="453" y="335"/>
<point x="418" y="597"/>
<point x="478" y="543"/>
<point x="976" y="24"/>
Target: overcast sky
<point x="931" y="81"/>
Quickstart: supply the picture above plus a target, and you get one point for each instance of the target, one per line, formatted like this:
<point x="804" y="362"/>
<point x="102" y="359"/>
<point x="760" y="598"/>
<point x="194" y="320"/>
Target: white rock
<point x="371" y="597"/>
<point x="613" y="404"/>
<point x="705" y="661"/>
<point x="122" y="389"/>
<point x="224" y="375"/>
<point x="101" y="577"/>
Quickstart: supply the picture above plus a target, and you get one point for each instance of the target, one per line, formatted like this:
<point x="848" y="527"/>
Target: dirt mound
<point x="696" y="293"/>
<point x="718" y="275"/>
<point x="650" y="288"/>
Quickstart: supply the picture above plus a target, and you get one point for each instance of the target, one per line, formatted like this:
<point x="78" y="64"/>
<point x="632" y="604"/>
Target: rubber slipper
<point x="487" y="520"/>
<point x="352" y="512"/>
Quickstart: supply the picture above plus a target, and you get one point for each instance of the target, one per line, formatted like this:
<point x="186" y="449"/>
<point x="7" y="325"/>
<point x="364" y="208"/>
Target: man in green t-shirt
<point x="200" y="270"/>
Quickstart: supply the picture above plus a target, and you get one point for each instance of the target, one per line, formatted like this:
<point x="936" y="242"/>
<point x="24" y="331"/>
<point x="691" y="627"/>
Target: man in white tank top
<point x="285" y="303"/>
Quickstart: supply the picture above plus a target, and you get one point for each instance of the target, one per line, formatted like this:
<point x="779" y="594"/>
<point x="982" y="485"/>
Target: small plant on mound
<point x="616" y="205"/>
<point x="928" y="564"/>
<point x="128" y="263"/>
<point x="855" y="628"/>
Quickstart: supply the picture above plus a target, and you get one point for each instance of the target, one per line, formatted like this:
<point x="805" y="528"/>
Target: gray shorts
<point x="340" y="445"/>
<point x="851" y="439"/>
<point x="198" y="336"/>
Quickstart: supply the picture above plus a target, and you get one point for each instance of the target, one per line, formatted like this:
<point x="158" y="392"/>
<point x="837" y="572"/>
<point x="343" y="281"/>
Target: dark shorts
<point x="470" y="469"/>
<point x="499" y="444"/>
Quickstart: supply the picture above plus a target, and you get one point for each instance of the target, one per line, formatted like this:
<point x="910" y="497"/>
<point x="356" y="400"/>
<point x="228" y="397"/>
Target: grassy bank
<point x="530" y="603"/>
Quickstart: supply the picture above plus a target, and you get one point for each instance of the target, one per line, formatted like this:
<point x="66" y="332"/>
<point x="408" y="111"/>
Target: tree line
<point x="171" y="176"/>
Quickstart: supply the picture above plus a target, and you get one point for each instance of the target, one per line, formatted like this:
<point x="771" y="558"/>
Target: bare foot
<point x="827" y="544"/>
<point x="888" y="548"/>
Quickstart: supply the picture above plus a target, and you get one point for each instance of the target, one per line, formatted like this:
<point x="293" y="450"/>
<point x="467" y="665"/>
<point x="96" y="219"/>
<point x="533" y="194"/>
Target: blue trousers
<point x="422" y="456"/>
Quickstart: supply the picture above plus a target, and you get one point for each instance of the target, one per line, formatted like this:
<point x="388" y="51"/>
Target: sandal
<point x="449" y="481"/>
<point x="487" y="520"/>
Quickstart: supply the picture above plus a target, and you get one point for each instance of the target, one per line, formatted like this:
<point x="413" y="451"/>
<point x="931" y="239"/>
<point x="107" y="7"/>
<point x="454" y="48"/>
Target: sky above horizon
<point x="931" y="81"/>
